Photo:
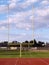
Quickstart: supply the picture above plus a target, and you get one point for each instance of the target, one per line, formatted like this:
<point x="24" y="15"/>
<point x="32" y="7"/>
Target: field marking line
<point x="16" y="61"/>
<point x="44" y="61"/>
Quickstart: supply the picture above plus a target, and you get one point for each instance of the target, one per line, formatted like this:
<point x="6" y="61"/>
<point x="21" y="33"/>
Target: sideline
<point x="44" y="61"/>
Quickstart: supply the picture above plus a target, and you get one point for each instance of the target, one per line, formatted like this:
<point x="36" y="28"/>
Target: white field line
<point x="44" y="61"/>
<point x="16" y="61"/>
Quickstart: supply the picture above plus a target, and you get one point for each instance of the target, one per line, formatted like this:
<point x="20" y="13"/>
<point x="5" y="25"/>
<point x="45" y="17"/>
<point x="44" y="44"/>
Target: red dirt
<point x="24" y="61"/>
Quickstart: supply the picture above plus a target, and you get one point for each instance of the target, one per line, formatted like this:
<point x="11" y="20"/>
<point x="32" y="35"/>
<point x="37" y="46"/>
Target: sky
<point x="27" y="20"/>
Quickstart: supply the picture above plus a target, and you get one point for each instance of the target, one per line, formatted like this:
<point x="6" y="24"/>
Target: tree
<point x="40" y="44"/>
<point x="31" y="41"/>
<point x="35" y="43"/>
<point x="4" y="44"/>
<point x="13" y="42"/>
<point x="26" y="41"/>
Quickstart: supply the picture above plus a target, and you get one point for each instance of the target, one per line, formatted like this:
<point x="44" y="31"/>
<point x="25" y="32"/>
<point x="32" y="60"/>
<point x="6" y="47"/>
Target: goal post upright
<point x="33" y="22"/>
<point x="8" y="23"/>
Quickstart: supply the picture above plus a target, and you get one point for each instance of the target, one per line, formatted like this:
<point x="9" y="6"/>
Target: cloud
<point x="21" y="20"/>
<point x="20" y="37"/>
<point x="41" y="18"/>
<point x="25" y="26"/>
<point x="15" y="5"/>
<point x="42" y="12"/>
<point x="45" y="2"/>
<point x="22" y="17"/>
<point x="2" y="28"/>
<point x="15" y="37"/>
<point x="27" y="3"/>
<point x="3" y="8"/>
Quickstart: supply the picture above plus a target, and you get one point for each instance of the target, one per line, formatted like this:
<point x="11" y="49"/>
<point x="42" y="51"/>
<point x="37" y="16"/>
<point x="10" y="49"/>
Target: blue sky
<point x="22" y="15"/>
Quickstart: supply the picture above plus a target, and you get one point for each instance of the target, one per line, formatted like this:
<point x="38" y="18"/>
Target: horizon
<point x="28" y="20"/>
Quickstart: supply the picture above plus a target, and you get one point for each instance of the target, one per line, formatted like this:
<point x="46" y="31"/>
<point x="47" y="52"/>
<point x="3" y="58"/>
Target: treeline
<point x="32" y="43"/>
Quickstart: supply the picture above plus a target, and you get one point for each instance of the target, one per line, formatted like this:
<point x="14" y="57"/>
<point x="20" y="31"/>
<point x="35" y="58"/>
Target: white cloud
<point x="45" y="2"/>
<point x="15" y="4"/>
<point x="25" y="26"/>
<point x="21" y="20"/>
<point x="43" y="12"/>
<point x="12" y="5"/>
<point x="3" y="8"/>
<point x="2" y="28"/>
<point x="27" y="3"/>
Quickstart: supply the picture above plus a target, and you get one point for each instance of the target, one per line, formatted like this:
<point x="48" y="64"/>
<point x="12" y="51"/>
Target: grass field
<point x="24" y="54"/>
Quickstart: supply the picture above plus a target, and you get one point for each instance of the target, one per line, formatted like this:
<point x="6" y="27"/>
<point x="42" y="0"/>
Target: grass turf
<point x="25" y="54"/>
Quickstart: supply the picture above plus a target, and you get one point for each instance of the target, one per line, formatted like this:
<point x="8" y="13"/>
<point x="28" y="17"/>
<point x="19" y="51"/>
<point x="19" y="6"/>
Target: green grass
<point x="28" y="54"/>
<point x="36" y="54"/>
